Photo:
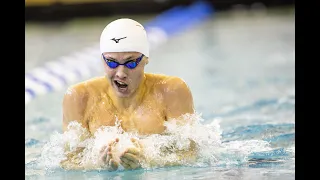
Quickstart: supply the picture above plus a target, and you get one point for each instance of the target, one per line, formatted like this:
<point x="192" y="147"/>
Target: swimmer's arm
<point x="179" y="101"/>
<point x="178" y="98"/>
<point x="73" y="160"/>
<point x="74" y="106"/>
<point x="73" y="109"/>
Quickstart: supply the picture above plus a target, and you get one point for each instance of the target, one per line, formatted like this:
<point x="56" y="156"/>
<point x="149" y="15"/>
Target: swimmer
<point x="143" y="101"/>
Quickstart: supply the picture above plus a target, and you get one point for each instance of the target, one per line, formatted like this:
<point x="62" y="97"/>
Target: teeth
<point x="121" y="83"/>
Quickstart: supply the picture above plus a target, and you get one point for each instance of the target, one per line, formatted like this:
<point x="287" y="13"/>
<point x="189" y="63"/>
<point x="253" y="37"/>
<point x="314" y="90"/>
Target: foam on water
<point x="157" y="148"/>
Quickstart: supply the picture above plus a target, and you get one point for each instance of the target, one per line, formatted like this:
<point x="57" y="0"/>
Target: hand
<point x="131" y="157"/>
<point x="106" y="156"/>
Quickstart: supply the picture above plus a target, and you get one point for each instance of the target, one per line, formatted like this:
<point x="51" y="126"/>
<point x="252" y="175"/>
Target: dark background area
<point x="56" y="10"/>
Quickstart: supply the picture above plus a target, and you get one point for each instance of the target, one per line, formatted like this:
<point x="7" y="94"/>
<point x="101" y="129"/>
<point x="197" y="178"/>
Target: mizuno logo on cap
<point x="117" y="40"/>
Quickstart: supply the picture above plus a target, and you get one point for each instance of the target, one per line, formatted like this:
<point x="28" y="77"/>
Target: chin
<point x="121" y="95"/>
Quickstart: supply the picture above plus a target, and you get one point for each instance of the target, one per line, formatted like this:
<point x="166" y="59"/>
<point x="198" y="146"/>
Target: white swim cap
<point x="124" y="35"/>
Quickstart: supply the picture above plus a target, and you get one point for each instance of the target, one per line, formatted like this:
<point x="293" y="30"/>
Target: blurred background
<point x="48" y="23"/>
<point x="66" y="9"/>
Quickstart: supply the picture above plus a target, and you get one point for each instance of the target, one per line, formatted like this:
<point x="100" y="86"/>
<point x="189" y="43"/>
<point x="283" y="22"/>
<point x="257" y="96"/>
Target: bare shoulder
<point x="178" y="99"/>
<point x="78" y="94"/>
<point x="76" y="98"/>
<point x="170" y="86"/>
<point x="176" y="89"/>
<point x="174" y="83"/>
<point x="75" y="91"/>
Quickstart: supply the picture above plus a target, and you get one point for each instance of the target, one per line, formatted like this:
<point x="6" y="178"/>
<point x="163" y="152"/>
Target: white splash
<point x="159" y="150"/>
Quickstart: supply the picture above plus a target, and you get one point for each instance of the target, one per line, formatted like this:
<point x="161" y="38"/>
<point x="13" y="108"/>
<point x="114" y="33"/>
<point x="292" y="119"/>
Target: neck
<point x="131" y="102"/>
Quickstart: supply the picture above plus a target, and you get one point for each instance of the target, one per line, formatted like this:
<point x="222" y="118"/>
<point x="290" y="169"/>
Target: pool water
<point x="240" y="69"/>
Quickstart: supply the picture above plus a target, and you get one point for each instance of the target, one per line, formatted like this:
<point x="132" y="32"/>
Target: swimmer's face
<point x="123" y="80"/>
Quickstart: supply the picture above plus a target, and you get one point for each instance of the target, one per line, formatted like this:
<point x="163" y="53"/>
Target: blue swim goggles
<point x="129" y="64"/>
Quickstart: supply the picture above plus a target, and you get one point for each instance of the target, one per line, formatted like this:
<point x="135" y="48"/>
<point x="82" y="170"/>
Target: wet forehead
<point x="122" y="56"/>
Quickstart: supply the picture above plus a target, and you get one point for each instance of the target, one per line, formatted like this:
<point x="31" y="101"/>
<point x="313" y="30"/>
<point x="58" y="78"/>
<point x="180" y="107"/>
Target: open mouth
<point x="121" y="85"/>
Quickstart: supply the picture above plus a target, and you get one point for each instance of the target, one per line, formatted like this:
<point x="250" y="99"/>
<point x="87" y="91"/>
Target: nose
<point x="121" y="72"/>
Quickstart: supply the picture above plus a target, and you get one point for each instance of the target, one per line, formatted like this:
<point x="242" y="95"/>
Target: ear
<point x="146" y="60"/>
<point x="101" y="58"/>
